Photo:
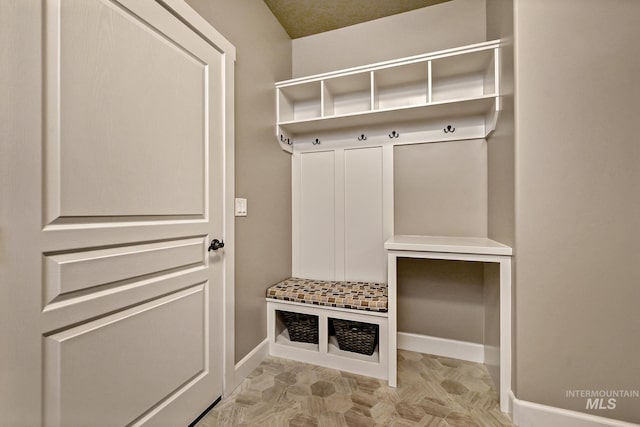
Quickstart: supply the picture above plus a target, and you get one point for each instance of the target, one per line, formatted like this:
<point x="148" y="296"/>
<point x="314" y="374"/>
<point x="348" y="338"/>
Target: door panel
<point x="115" y="303"/>
<point x="122" y="81"/>
<point x="67" y="274"/>
<point x="130" y="361"/>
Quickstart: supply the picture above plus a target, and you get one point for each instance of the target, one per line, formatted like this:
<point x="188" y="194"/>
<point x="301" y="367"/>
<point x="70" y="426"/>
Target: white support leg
<point x="392" y="318"/>
<point x="505" y="333"/>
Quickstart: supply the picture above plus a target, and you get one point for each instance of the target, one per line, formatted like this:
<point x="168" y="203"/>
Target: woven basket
<point x="301" y="327"/>
<point x="356" y="337"/>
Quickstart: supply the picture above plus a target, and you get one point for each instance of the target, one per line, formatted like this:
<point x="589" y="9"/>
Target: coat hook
<point x="316" y="141"/>
<point x="449" y="129"/>
<point x="394" y="134"/>
<point x="285" y="140"/>
<point x="362" y="137"/>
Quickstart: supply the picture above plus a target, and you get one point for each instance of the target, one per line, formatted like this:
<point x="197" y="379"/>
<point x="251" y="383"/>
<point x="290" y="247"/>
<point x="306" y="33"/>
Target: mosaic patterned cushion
<point x="354" y="295"/>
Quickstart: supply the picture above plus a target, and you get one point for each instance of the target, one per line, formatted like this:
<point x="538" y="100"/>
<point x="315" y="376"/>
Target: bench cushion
<point x="367" y="296"/>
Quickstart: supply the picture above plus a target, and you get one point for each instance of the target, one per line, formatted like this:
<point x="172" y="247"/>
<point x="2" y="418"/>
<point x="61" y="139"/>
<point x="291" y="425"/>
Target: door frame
<point x="188" y="16"/>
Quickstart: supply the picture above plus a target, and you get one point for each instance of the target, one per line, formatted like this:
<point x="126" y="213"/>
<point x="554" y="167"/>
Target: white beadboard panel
<point x="75" y="271"/>
<point x="113" y="362"/>
<point x="119" y="127"/>
<point x="363" y="213"/>
<point x="317" y="215"/>
<point x="339" y="209"/>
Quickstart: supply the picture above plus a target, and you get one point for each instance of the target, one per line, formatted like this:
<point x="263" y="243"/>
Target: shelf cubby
<point x="283" y="334"/>
<point x="299" y="102"/>
<point x="347" y="94"/>
<point x="334" y="349"/>
<point x="401" y="86"/>
<point x="463" y="76"/>
<point x="357" y="339"/>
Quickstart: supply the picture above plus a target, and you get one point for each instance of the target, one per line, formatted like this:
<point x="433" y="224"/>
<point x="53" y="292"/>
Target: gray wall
<point x="439" y="188"/>
<point x="441" y="299"/>
<point x="500" y="145"/>
<point x="577" y="201"/>
<point x="263" y="170"/>
<point x="445" y="25"/>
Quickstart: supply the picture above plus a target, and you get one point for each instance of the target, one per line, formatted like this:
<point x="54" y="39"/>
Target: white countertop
<point x="461" y="245"/>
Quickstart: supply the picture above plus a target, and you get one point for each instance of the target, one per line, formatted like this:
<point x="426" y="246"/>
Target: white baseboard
<point x="462" y="350"/>
<point x="529" y="414"/>
<point x="250" y="362"/>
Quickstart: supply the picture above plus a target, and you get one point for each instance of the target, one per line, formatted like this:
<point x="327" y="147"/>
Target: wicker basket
<point x="357" y="337"/>
<point x="301" y="327"/>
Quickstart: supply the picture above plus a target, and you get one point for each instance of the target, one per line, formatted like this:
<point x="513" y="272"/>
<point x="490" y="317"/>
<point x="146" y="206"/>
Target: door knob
<point x="215" y="245"/>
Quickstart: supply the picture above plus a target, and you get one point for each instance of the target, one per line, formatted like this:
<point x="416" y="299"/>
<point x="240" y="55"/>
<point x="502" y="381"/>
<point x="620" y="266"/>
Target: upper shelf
<point x="447" y="84"/>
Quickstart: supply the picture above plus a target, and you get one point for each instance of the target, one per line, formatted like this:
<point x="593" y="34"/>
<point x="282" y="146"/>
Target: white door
<point x="113" y="311"/>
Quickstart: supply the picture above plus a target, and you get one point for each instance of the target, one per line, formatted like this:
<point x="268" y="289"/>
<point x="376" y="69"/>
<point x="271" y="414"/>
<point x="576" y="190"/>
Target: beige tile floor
<point x="432" y="391"/>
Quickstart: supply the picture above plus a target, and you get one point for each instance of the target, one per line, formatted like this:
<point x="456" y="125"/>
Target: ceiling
<point x="302" y="18"/>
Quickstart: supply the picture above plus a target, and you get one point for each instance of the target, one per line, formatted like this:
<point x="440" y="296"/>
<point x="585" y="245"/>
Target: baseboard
<point x="250" y="362"/>
<point x="529" y="414"/>
<point x="462" y="350"/>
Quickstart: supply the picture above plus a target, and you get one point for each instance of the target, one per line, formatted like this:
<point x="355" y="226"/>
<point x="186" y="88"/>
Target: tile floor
<point x="432" y="391"/>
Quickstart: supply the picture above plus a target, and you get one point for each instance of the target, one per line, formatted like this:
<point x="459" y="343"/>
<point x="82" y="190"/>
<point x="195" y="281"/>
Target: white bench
<point x="353" y="301"/>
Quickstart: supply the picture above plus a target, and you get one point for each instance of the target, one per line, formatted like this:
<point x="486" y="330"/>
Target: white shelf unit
<point x="413" y="96"/>
<point x="327" y="352"/>
<point x="471" y="249"/>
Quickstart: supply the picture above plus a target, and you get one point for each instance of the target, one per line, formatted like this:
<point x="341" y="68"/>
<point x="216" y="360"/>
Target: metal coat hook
<point x="362" y="137"/>
<point x="449" y="129"/>
<point x="285" y="140"/>
<point x="316" y="141"/>
<point x="394" y="134"/>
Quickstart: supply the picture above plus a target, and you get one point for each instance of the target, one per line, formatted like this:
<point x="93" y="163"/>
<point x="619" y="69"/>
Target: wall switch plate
<point x="241" y="207"/>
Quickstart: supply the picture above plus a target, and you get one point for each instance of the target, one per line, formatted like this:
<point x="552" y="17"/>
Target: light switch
<point x="241" y="207"/>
